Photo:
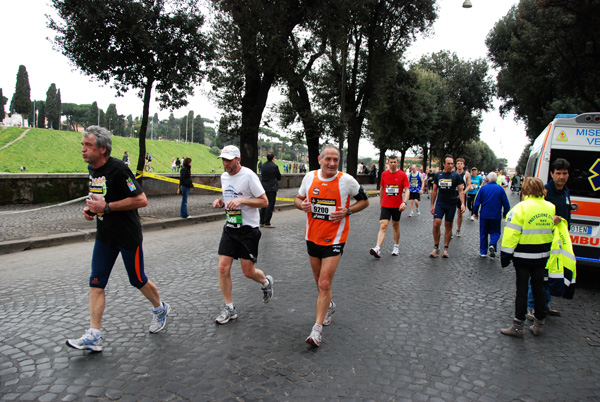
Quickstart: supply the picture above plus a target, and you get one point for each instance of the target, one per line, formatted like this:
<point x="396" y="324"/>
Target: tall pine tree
<point x="3" y="100"/>
<point x="58" y="111"/>
<point x="21" y="100"/>
<point x="51" y="106"/>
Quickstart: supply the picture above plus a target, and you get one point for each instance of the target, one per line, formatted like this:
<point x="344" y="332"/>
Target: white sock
<point x="159" y="309"/>
<point x="96" y="333"/>
<point x="230" y="305"/>
<point x="318" y="328"/>
<point x="376" y="248"/>
<point x="396" y="246"/>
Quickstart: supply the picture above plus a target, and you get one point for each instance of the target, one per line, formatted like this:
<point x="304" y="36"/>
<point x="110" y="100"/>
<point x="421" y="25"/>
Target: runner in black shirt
<point x="115" y="196"/>
<point x="445" y="186"/>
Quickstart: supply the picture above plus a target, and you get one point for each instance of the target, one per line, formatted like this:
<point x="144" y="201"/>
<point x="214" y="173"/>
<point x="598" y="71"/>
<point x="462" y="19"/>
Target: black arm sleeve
<point x="362" y="194"/>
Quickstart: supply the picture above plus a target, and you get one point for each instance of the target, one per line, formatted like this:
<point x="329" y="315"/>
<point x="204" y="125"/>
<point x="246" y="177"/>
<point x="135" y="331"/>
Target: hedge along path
<point x="15" y="140"/>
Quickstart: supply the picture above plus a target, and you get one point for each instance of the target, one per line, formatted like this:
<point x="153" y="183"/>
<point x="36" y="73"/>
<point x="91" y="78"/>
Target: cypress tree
<point x="58" y="110"/>
<point x="21" y="100"/>
<point x="2" y="104"/>
<point x="41" y="117"/>
<point x="51" y="105"/>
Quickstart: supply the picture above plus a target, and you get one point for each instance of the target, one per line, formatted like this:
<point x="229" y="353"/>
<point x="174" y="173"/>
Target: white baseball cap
<point x="229" y="152"/>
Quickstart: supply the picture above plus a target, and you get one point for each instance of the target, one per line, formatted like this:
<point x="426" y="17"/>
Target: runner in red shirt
<point x="393" y="196"/>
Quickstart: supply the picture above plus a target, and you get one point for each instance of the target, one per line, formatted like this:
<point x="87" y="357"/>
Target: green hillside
<point x="50" y="151"/>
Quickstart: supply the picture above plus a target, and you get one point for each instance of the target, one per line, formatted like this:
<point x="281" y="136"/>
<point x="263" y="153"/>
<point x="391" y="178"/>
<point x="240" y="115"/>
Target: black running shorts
<point x="240" y="243"/>
<point x="389" y="213"/>
<point x="320" y="252"/>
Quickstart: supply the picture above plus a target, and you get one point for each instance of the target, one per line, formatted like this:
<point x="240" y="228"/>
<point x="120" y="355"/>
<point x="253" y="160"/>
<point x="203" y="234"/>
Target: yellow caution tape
<point x="176" y="181"/>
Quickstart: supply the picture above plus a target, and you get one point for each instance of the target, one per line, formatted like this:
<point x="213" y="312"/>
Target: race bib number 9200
<point x="322" y="208"/>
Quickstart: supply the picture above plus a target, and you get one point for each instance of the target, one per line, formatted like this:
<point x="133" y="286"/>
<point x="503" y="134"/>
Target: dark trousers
<point x="537" y="285"/>
<point x="471" y="202"/>
<point x="185" y="192"/>
<point x="267" y="213"/>
<point x="491" y="228"/>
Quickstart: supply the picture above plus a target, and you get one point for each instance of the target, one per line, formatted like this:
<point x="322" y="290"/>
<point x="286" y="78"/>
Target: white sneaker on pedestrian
<point x="396" y="250"/>
<point x="472" y="218"/>
<point x="410" y="215"/>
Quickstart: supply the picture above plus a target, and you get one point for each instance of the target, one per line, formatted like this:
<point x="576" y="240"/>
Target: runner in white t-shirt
<point x="243" y="195"/>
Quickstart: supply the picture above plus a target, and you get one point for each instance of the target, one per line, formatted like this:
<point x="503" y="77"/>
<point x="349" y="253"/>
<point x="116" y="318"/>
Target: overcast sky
<point x="24" y="42"/>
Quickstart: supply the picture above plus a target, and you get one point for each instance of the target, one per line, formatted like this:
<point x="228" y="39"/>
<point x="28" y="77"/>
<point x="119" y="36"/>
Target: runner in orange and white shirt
<point x="325" y="197"/>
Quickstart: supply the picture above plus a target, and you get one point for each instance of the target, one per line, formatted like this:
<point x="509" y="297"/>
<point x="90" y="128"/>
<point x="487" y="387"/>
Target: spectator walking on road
<point x="324" y="196"/>
<point x="494" y="206"/>
<point x="186" y="184"/>
<point x="243" y="195"/>
<point x="526" y="242"/>
<point x="269" y="179"/>
<point x="393" y="196"/>
<point x="447" y="190"/>
<point x="115" y="197"/>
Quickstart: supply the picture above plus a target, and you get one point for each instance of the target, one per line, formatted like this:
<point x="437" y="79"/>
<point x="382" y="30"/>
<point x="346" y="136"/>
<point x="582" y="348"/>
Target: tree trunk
<point x="355" y="123"/>
<point x="425" y="148"/>
<point x="253" y="105"/>
<point x="382" y="152"/>
<point x="144" y="126"/>
<point x="300" y="101"/>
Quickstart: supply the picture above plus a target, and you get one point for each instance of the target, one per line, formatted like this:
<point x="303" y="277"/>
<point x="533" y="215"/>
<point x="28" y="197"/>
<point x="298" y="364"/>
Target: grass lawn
<point x="52" y="151"/>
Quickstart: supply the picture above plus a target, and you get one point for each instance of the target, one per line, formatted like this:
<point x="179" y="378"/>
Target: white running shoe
<point x="314" y="338"/>
<point x="268" y="290"/>
<point x="330" y="312"/>
<point x="396" y="250"/>
<point x="160" y="320"/>
<point x="226" y="315"/>
<point x="86" y="342"/>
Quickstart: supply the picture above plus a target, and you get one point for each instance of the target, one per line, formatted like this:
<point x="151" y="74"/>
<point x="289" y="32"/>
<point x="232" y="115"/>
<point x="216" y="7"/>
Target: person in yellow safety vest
<point x="561" y="265"/>
<point x="526" y="242"/>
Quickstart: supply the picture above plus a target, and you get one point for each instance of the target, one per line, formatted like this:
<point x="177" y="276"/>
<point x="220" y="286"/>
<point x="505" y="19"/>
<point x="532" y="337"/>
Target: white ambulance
<point x="575" y="138"/>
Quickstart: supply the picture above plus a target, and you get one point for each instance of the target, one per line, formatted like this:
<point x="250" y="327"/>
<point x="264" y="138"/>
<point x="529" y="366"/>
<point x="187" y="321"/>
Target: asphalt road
<point x="406" y="328"/>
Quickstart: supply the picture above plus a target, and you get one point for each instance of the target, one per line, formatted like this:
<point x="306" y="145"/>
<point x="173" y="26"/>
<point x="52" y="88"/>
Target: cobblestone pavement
<point x="406" y="328"/>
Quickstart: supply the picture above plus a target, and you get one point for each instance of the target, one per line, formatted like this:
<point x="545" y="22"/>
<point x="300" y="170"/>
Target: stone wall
<point x="38" y="188"/>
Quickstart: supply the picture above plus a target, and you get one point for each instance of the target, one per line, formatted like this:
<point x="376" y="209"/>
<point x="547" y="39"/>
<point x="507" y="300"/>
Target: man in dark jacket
<point x="558" y="194"/>
<point x="269" y="177"/>
<point x="494" y="206"/>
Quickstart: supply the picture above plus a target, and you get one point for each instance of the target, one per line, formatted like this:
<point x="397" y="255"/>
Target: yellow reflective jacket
<point x="528" y="233"/>
<point x="561" y="265"/>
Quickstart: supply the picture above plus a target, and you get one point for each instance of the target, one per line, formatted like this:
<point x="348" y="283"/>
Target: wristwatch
<point x="106" y="209"/>
<point x="349" y="212"/>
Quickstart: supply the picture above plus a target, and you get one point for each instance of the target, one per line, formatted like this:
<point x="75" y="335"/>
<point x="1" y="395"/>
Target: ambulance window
<point x="531" y="163"/>
<point x="579" y="174"/>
